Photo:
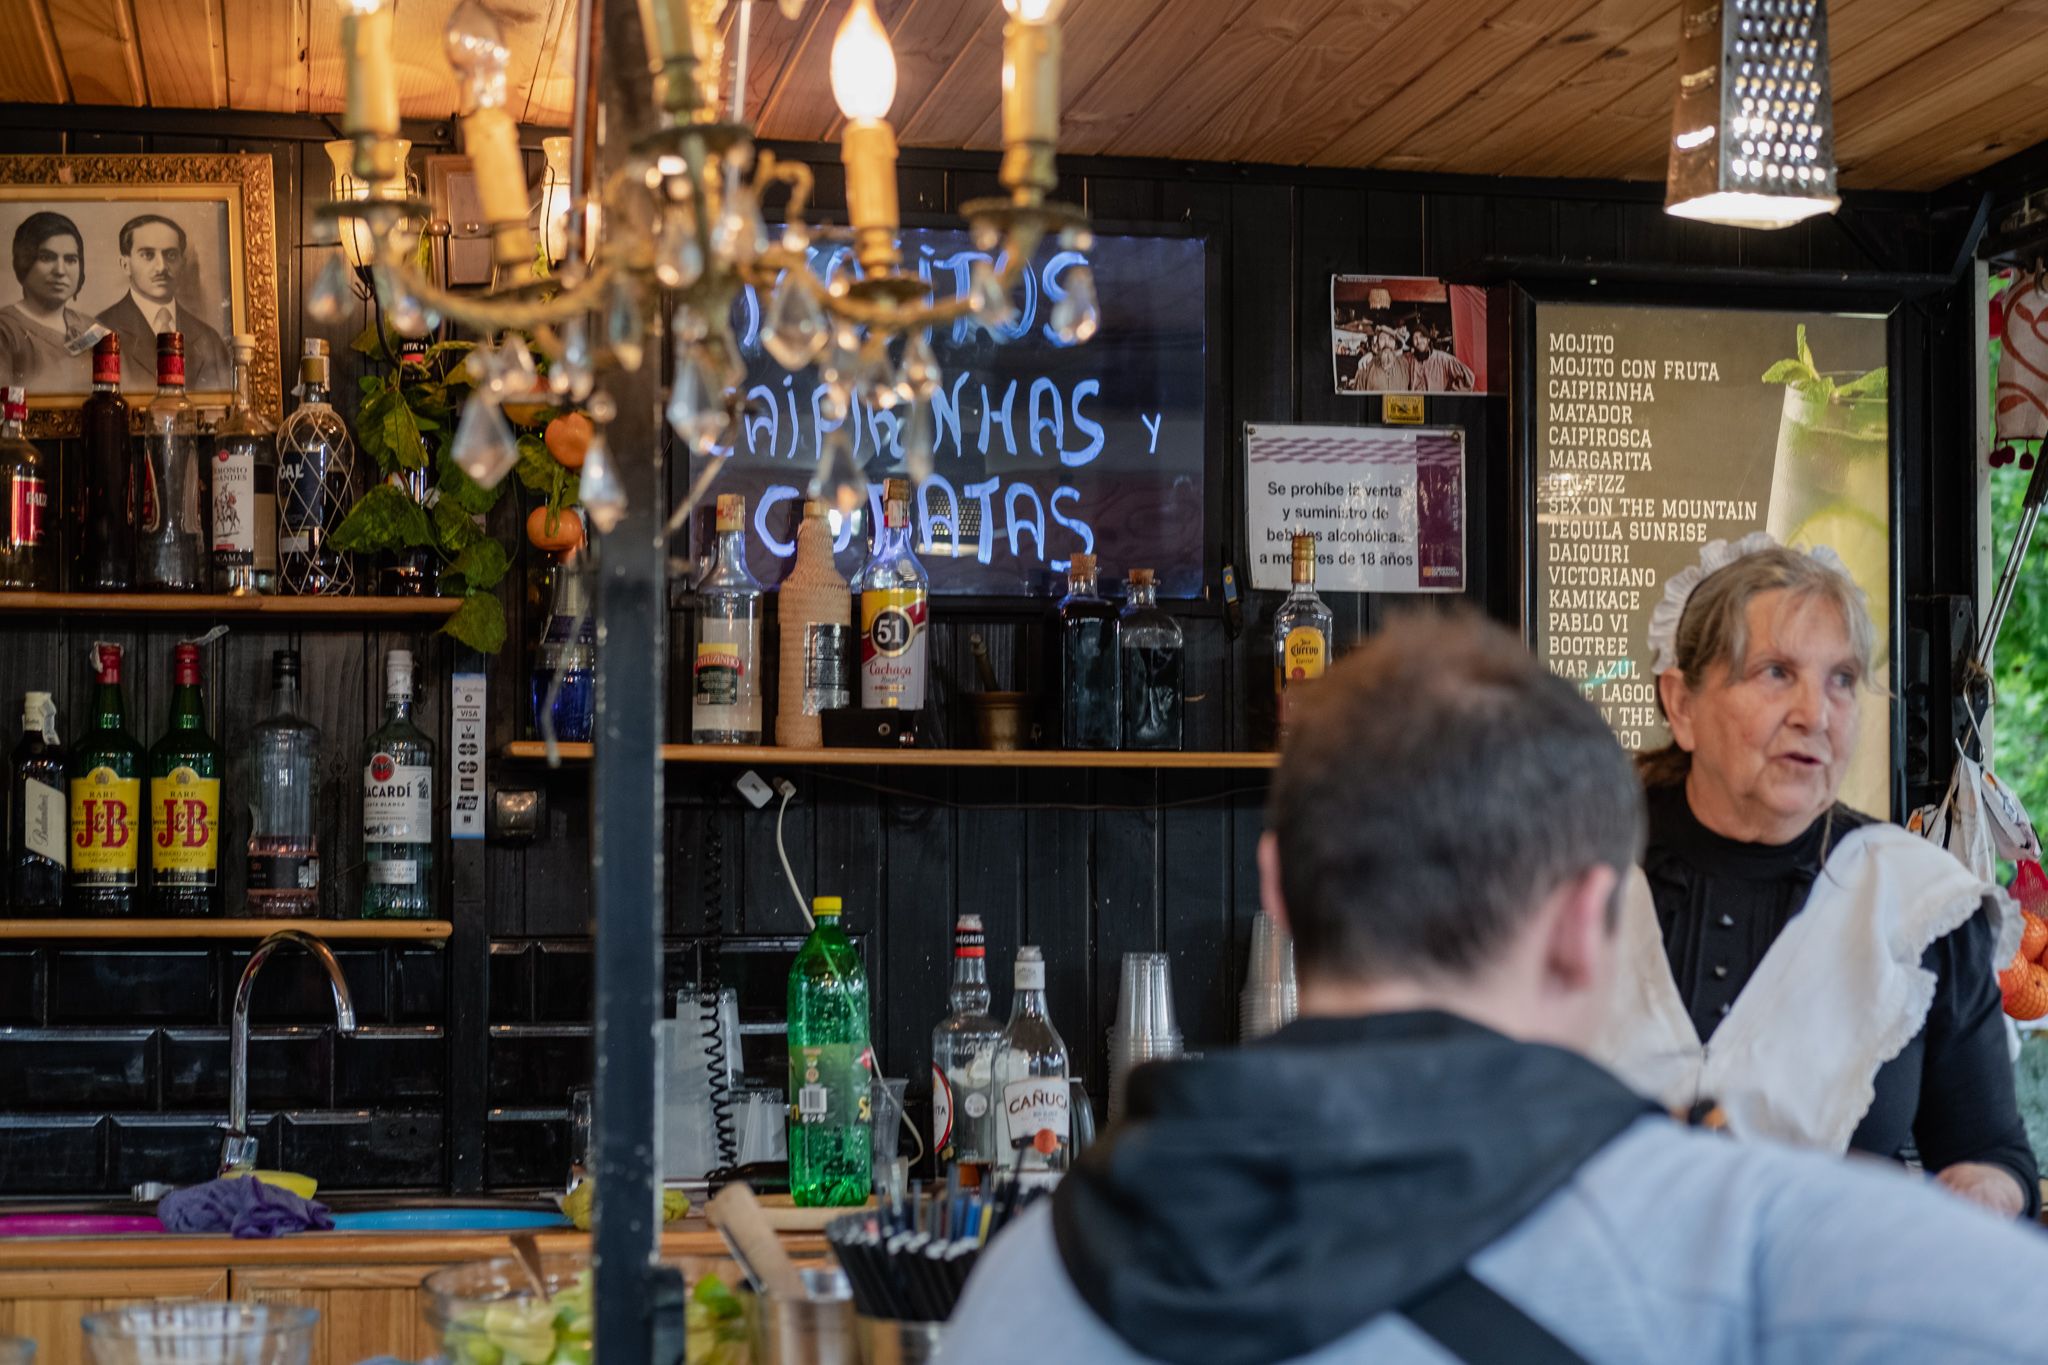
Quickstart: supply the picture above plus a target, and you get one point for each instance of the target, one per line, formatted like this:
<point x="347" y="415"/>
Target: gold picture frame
<point x="223" y="278"/>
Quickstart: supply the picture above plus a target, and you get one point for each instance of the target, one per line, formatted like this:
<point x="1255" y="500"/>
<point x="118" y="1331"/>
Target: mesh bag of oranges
<point x="2024" y="982"/>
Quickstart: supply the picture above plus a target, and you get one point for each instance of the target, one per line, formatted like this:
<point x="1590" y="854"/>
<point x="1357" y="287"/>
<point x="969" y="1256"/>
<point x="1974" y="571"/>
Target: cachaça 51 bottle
<point x="28" y="533"/>
<point x="1301" y="628"/>
<point x="725" y="701"/>
<point x="106" y="510"/>
<point x="107" y="825"/>
<point x="184" y="802"/>
<point x="283" y="786"/>
<point x="37" y="829"/>
<point x="895" y="599"/>
<point x="398" y="806"/>
<point x="831" y="1149"/>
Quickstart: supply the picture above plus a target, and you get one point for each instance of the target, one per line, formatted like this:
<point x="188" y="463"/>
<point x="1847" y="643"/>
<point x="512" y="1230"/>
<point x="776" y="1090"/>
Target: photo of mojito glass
<point x="1829" y="487"/>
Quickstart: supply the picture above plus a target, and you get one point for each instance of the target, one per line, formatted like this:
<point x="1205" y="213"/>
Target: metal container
<point x="814" y="1330"/>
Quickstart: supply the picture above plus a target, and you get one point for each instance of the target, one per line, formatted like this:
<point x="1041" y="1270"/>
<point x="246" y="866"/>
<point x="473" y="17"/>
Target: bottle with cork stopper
<point x="815" y="606"/>
<point x="1090" y="692"/>
<point x="725" y="672"/>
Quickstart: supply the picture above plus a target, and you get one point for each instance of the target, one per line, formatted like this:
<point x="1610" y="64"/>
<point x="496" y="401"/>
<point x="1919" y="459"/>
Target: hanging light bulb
<point x="332" y="290"/>
<point x="1035" y="11"/>
<point x="485" y="448"/>
<point x="474" y="43"/>
<point x="863" y="65"/>
<point x="1076" y="317"/>
<point x="599" y="490"/>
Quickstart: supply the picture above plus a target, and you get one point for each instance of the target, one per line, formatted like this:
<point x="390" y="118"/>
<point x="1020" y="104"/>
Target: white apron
<point x="1840" y="993"/>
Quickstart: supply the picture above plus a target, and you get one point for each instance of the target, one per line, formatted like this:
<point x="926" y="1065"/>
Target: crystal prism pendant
<point x="484" y="446"/>
<point x="696" y="401"/>
<point x="836" y="482"/>
<point x="919" y="377"/>
<point x="332" y="289"/>
<point x="740" y="235"/>
<point x="796" y="330"/>
<point x="990" y="301"/>
<point x="599" y="490"/>
<point x="920" y="433"/>
<point x="678" y="260"/>
<point x="625" y="331"/>
<point x="1077" y="317"/>
<point x="877" y="382"/>
<point x="572" y="373"/>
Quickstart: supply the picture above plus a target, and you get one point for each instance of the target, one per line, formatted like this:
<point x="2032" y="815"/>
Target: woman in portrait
<point x="43" y="339"/>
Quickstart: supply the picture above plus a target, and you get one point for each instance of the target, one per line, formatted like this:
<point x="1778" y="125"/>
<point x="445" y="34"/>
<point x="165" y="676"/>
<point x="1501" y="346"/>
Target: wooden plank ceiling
<point x="1926" y="90"/>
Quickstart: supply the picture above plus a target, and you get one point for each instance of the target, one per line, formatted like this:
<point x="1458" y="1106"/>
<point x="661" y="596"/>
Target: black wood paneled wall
<point x="1088" y="865"/>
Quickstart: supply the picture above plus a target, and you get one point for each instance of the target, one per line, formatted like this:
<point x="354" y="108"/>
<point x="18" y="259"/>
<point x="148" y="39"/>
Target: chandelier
<point x="675" y="227"/>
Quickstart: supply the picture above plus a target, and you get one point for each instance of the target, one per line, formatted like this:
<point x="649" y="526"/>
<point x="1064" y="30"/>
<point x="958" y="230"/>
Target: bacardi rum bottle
<point x="244" y="490"/>
<point x="170" y="547"/>
<point x="831" y="1148"/>
<point x="107" y="825"/>
<point x="283" y="786"/>
<point x="106" y="507"/>
<point x="963" y="1056"/>
<point x="37" y="827"/>
<point x="895" y="597"/>
<point x="725" y="706"/>
<point x="1030" y="1092"/>
<point x="28" y="536"/>
<point x="1301" y="628"/>
<point x="184" y="803"/>
<point x="398" y="806"/>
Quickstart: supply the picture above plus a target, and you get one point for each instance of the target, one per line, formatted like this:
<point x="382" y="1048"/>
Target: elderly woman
<point x="1818" y="976"/>
<point x="42" y="338"/>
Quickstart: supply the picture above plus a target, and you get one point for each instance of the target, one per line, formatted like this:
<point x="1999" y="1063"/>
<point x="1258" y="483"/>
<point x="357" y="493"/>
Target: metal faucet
<point x="238" y="1148"/>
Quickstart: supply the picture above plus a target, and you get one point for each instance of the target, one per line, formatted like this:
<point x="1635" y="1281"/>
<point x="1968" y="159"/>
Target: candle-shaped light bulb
<point x="863" y="65"/>
<point x="371" y="111"/>
<point x="474" y="41"/>
<point x="1035" y="11"/>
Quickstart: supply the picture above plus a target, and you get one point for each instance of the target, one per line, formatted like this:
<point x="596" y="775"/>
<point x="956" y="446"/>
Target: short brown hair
<point x="1434" y="788"/>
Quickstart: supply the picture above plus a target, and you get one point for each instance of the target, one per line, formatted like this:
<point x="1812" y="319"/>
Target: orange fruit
<point x="568" y="439"/>
<point x="565" y="534"/>
<point x="2024" y="989"/>
<point x="2034" y="937"/>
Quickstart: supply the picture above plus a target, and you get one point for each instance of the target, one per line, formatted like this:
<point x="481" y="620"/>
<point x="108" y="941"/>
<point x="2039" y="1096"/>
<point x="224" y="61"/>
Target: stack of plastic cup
<point x="1145" y="1028"/>
<point x="1269" y="998"/>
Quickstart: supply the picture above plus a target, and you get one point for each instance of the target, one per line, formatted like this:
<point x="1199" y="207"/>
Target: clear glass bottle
<point x="170" y="544"/>
<point x="725" y="699"/>
<point x="1091" y="697"/>
<point x="814" y="608"/>
<point x="1152" y="655"/>
<point x="1029" y="1091"/>
<point x="106" y="503"/>
<point x="831" y="1147"/>
<point x="106" y="803"/>
<point x="37" y="825"/>
<point x="283" y="786"/>
<point x="398" y="806"/>
<point x="1301" y="628"/>
<point x="316" y="485"/>
<point x="964" y="1054"/>
<point x="184" y="802"/>
<point x="28" y="533"/>
<point x="568" y="645"/>
<point x="244" y="490"/>
<point x="895" y="604"/>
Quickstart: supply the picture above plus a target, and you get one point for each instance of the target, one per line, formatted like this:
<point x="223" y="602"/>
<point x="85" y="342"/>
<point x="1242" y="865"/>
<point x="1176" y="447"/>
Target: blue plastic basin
<point x="447" y="1220"/>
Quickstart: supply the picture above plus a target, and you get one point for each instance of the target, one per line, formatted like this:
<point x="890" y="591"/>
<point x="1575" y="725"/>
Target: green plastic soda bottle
<point x="831" y="1154"/>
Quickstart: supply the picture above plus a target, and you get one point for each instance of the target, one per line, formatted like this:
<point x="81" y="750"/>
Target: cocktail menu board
<point x="1660" y="429"/>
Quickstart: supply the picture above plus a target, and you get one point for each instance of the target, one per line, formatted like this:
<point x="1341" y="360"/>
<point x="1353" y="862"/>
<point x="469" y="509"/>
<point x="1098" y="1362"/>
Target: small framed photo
<point x="451" y="188"/>
<point x="135" y="245"/>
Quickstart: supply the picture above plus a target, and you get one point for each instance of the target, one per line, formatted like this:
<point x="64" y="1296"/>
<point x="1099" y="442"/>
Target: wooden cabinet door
<point x="46" y="1305"/>
<point x="365" y="1311"/>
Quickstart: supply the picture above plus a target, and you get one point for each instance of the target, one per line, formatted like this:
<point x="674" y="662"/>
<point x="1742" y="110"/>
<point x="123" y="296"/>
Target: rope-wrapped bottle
<point x="816" y="610"/>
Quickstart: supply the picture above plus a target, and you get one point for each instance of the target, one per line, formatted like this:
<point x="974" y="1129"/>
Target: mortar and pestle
<point x="1002" y="720"/>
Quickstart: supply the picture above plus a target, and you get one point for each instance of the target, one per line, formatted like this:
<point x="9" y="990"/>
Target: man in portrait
<point x="1434" y="371"/>
<point x="1388" y="370"/>
<point x="153" y="257"/>
<point x="45" y="343"/>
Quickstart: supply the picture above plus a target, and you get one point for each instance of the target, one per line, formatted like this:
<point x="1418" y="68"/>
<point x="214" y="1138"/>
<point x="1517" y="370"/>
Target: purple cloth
<point x="241" y="1205"/>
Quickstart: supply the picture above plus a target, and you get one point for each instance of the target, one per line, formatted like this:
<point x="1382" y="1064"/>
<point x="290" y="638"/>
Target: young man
<point x="152" y="257"/>
<point x="1424" y="1167"/>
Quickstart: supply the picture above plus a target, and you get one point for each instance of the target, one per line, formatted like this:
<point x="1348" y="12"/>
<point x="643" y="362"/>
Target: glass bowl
<point x="488" y="1313"/>
<point x="215" y="1333"/>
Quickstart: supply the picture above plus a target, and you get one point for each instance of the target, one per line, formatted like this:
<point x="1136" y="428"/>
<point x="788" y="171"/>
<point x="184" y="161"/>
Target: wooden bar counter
<point x="365" y="1285"/>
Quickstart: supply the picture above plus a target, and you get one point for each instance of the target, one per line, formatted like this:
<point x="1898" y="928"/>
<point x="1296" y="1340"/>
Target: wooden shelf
<point x="209" y="604"/>
<point x="391" y="930"/>
<point x="917" y="758"/>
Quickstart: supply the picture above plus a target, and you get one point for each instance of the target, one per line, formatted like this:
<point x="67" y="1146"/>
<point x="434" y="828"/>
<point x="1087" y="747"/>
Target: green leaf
<point x="537" y="468"/>
<point x="458" y="529"/>
<point x="385" y="518"/>
<point x="479" y="623"/>
<point x="1876" y="384"/>
<point x="1806" y="352"/>
<point x="457" y="487"/>
<point x="483" y="564"/>
<point x="402" y="435"/>
<point x="369" y="343"/>
<point x="1789" y="372"/>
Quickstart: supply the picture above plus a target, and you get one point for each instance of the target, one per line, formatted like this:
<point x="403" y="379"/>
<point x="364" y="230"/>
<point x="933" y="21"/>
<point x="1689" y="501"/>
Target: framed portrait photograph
<point x="133" y="246"/>
<point x="1403" y="334"/>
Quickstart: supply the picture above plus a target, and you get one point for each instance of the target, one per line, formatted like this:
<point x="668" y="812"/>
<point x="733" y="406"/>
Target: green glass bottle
<point x="831" y="1156"/>
<point x="184" y="803"/>
<point x="107" y="825"/>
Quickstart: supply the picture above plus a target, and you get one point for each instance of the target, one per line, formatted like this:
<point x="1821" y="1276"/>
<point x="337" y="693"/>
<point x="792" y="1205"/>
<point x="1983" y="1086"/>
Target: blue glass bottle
<point x="569" y="646"/>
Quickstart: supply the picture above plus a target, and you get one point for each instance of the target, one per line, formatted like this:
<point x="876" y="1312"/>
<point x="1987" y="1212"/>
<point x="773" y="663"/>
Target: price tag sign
<point x="466" y="811"/>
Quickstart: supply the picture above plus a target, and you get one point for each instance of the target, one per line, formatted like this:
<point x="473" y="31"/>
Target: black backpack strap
<point x="1480" y="1327"/>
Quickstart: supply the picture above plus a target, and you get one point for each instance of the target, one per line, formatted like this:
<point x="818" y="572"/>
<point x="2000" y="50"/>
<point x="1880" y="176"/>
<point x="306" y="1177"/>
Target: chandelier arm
<point x="491" y="313"/>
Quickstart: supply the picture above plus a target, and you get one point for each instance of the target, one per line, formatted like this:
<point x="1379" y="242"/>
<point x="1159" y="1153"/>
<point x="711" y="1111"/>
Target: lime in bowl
<point x="489" y="1312"/>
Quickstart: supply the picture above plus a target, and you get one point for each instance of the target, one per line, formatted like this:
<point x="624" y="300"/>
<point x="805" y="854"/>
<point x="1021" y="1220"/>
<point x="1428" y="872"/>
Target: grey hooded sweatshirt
<point x="1285" y="1202"/>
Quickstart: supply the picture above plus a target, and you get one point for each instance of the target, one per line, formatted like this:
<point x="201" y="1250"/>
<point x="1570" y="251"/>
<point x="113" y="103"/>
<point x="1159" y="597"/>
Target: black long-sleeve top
<point x="1721" y="903"/>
